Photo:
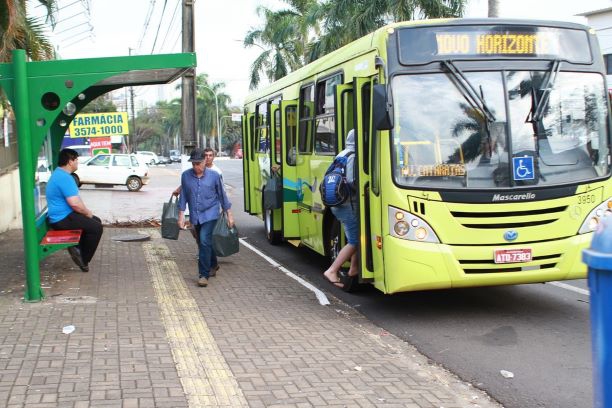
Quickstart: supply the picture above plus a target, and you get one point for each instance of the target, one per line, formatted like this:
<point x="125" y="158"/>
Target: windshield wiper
<point x="547" y="84"/>
<point x="468" y="90"/>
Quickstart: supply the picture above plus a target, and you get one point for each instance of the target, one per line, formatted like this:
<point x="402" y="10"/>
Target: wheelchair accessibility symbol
<point x="523" y="168"/>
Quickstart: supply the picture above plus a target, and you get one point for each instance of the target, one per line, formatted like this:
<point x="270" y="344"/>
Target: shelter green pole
<point x="34" y="292"/>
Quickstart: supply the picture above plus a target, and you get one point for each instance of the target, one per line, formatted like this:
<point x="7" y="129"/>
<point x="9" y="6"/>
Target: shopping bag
<point x="225" y="239"/>
<point x="273" y="192"/>
<point x="169" y="225"/>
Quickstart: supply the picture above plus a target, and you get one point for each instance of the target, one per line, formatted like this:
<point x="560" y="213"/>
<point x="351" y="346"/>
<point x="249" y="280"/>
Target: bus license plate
<point x="512" y="255"/>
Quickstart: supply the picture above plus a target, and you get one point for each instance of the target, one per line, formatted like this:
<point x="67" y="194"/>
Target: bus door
<point x="370" y="212"/>
<point x="247" y="148"/>
<point x="344" y="111"/>
<point x="291" y="224"/>
<point x="344" y="123"/>
<point x="273" y="217"/>
<point x="306" y="181"/>
<point x="259" y="170"/>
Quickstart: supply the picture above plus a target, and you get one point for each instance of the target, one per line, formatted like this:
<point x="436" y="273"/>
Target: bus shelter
<point x="45" y="96"/>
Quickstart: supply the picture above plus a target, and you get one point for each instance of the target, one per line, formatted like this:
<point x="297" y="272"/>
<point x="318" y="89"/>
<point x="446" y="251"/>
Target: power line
<point x="161" y="18"/>
<point x="146" y="24"/>
<point x="178" y="3"/>
<point x="178" y="37"/>
<point x="73" y="27"/>
<point x="77" y="40"/>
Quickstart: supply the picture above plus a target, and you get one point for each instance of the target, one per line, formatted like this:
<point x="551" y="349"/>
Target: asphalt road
<point x="538" y="332"/>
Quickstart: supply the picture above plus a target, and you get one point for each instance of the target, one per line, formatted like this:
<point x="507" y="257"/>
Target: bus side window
<point x="291" y="133"/>
<point x="261" y="114"/>
<point x="325" y="123"/>
<point x="366" y="96"/>
<point x="251" y="135"/>
<point x="306" y="119"/>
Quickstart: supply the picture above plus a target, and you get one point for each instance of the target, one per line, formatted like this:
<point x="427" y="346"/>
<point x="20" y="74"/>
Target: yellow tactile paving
<point x="204" y="373"/>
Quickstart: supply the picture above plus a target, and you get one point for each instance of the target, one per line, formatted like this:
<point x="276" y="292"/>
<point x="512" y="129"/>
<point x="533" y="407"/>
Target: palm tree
<point x="18" y="31"/>
<point x="282" y="39"/>
<point x="206" y="110"/>
<point x="348" y="20"/>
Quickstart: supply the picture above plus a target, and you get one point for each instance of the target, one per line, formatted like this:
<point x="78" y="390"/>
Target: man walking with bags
<point x="202" y="190"/>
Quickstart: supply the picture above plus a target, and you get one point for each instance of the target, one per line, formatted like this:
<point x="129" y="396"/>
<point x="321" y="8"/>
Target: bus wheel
<point x="334" y="241"/>
<point x="274" y="237"/>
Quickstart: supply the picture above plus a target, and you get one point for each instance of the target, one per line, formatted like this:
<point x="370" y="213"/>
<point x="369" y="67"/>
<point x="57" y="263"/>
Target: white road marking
<point x="318" y="293"/>
<point x="570" y="287"/>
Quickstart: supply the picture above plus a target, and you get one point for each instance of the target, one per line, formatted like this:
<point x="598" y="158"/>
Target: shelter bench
<point x="50" y="240"/>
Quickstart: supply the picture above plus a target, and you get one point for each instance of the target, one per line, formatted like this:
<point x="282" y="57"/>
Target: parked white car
<point x="84" y="152"/>
<point x="113" y="169"/>
<point x="148" y="157"/>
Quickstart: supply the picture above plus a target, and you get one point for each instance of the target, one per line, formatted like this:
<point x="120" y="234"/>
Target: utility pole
<point x="493" y="8"/>
<point x="134" y="133"/>
<point x="188" y="94"/>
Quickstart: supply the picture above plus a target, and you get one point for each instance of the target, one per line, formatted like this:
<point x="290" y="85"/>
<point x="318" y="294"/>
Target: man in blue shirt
<point x="202" y="190"/>
<point x="66" y="210"/>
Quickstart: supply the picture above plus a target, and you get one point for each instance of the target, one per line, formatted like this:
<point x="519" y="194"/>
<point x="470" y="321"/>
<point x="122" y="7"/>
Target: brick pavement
<point x="147" y="336"/>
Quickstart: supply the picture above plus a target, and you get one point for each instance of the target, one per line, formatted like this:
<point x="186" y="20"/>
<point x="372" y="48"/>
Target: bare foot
<point x="332" y="277"/>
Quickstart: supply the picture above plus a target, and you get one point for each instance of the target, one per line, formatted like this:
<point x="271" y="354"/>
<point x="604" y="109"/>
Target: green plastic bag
<point x="169" y="224"/>
<point x="225" y="239"/>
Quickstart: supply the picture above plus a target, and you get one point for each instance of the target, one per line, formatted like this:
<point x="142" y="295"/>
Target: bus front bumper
<point x="411" y="266"/>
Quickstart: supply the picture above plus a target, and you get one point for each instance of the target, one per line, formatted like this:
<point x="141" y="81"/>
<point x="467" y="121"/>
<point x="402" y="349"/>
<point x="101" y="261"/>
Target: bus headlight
<point x="595" y="216"/>
<point x="405" y="225"/>
<point x="401" y="228"/>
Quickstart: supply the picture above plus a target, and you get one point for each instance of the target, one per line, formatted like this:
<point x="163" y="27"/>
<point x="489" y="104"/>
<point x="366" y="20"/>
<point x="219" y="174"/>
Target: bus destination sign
<point x="420" y="45"/>
<point x="477" y="43"/>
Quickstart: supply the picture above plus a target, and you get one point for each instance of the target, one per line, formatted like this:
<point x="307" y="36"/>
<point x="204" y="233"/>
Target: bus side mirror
<point x="381" y="117"/>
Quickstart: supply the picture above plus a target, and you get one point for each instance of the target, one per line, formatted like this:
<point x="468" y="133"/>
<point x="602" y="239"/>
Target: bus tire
<point x="133" y="183"/>
<point x="333" y="243"/>
<point x="274" y="237"/>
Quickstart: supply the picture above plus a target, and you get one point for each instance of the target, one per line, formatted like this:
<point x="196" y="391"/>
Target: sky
<point x="98" y="28"/>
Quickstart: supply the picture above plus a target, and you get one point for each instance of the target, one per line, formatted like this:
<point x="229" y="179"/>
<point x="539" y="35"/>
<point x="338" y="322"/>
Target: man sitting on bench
<point x="66" y="210"/>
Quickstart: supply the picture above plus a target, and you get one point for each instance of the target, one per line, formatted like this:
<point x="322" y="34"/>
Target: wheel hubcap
<point x="268" y="221"/>
<point x="335" y="244"/>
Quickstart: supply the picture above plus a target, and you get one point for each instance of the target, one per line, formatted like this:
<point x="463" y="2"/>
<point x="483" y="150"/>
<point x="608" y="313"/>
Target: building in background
<point x="601" y="21"/>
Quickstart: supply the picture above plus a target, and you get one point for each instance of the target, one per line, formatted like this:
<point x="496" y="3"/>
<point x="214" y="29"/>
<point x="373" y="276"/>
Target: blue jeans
<point x="345" y="214"/>
<point x="207" y="259"/>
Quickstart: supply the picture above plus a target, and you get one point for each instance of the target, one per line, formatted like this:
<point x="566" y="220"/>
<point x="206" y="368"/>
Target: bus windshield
<point x="540" y="132"/>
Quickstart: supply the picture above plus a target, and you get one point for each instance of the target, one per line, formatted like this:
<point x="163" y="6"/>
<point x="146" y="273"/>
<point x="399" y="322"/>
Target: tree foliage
<point x="19" y="31"/>
<point x="103" y="103"/>
<point x="308" y="29"/>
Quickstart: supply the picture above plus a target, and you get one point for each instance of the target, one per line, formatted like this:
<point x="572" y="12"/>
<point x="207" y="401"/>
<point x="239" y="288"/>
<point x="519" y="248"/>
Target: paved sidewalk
<point x="146" y="336"/>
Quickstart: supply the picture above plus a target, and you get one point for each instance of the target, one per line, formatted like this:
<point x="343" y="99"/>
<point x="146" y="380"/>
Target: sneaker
<point x="75" y="254"/>
<point x="213" y="270"/>
<point x="203" y="282"/>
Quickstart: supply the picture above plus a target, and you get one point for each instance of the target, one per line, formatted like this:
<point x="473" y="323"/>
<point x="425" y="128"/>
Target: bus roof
<point x="370" y="41"/>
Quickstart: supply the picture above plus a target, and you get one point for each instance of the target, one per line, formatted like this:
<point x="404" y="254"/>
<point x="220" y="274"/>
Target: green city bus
<point x="482" y="149"/>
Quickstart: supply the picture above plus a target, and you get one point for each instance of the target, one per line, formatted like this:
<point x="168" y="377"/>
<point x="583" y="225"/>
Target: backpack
<point x="335" y="188"/>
